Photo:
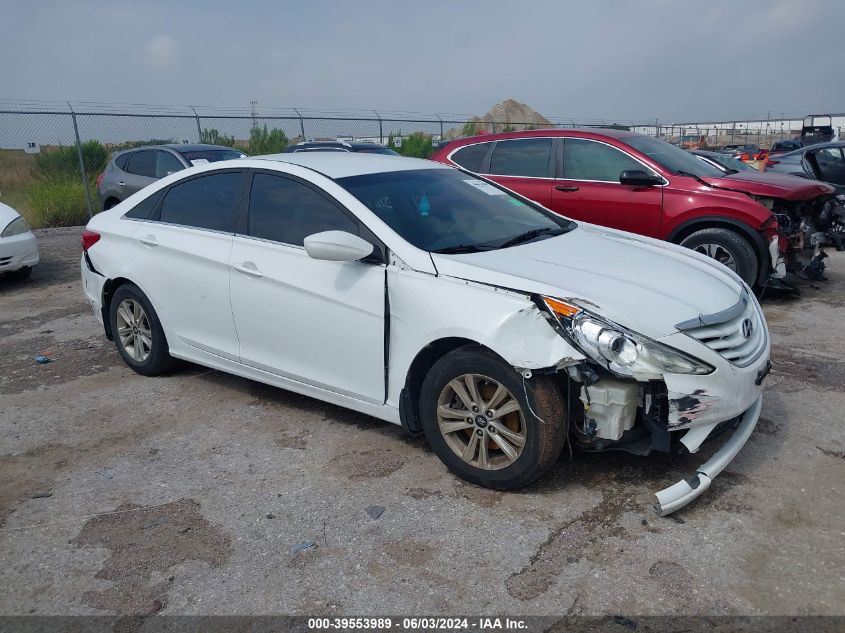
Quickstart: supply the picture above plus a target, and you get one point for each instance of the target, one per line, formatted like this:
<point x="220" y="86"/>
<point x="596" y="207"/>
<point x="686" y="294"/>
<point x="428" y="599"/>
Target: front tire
<point x="487" y="424"/>
<point x="20" y="273"/>
<point x="726" y="247"/>
<point x="138" y="334"/>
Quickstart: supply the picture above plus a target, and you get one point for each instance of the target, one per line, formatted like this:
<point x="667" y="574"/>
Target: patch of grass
<point x="17" y="169"/>
<point x="55" y="202"/>
<point x="64" y="161"/>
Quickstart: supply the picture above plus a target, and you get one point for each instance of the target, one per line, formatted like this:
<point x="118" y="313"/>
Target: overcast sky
<point x="676" y="61"/>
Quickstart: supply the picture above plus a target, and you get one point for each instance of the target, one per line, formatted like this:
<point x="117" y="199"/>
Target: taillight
<point x="89" y="238"/>
<point x="100" y="178"/>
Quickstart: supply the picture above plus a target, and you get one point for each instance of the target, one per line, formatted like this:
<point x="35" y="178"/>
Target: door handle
<point x="148" y="240"/>
<point x="566" y="188"/>
<point x="248" y="268"/>
<point x="121" y="183"/>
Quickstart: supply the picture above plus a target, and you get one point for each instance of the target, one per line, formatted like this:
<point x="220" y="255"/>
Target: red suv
<point x="755" y="224"/>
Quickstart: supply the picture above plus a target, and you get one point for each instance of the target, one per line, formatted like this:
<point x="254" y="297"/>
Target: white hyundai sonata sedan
<point x="18" y="246"/>
<point x="428" y="297"/>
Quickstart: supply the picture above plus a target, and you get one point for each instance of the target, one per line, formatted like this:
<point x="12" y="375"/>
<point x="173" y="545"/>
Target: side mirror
<point x="639" y="178"/>
<point x="337" y="246"/>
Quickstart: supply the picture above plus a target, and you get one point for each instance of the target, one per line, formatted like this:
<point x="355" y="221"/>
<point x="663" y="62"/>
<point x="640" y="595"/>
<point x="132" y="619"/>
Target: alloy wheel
<point x="481" y="421"/>
<point x="133" y="329"/>
<point x="719" y="253"/>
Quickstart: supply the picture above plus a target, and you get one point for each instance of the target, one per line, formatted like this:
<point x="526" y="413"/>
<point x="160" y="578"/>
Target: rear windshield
<point x="211" y="155"/>
<point x="672" y="157"/>
<point x="376" y="150"/>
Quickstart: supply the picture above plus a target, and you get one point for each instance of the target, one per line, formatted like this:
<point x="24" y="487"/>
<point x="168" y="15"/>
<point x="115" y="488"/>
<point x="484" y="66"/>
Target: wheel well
<point x="409" y="399"/>
<point x="741" y="229"/>
<point x="109" y="202"/>
<point x="109" y="289"/>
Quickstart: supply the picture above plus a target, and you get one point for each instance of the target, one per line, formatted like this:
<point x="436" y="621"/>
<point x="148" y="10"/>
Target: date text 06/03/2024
<point x="419" y="623"/>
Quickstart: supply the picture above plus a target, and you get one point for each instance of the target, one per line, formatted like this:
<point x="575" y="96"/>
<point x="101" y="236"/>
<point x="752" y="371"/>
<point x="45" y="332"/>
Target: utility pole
<point x="254" y="105"/>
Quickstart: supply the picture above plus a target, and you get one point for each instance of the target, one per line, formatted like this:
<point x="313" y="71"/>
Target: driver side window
<point x="287" y="211"/>
<point x="584" y="159"/>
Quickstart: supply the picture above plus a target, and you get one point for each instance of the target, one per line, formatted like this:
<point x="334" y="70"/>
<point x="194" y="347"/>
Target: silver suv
<point x="132" y="170"/>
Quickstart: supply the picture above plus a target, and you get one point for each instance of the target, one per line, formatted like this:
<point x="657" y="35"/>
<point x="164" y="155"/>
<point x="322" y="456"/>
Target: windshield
<point x="734" y="163"/>
<point x="730" y="162"/>
<point x="212" y="155"/>
<point x="671" y="157"/>
<point x="447" y="210"/>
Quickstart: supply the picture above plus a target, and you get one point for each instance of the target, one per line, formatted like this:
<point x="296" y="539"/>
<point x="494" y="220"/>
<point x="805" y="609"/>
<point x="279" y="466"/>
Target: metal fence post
<point x="81" y="161"/>
<point x="380" y="129"/>
<point x="441" y="125"/>
<point x="199" y="127"/>
<point x="301" y="124"/>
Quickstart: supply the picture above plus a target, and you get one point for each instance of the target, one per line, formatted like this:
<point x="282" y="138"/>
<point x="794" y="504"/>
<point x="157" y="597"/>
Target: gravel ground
<point x="199" y="492"/>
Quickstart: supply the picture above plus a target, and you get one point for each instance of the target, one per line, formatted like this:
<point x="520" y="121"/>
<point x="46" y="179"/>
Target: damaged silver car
<point x="429" y="297"/>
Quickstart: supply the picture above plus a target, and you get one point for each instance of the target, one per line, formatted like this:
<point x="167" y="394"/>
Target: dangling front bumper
<point x="680" y="494"/>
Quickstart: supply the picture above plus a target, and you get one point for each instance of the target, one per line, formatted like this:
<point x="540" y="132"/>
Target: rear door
<point x="139" y="172"/>
<point x="588" y="188"/>
<point x="318" y="322"/>
<point x="182" y="260"/>
<point x="525" y="165"/>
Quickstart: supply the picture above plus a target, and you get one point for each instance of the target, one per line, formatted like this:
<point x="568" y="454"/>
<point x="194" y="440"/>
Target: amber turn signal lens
<point x="560" y="308"/>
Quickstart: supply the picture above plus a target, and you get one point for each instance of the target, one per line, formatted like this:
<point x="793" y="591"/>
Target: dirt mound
<point x="507" y="116"/>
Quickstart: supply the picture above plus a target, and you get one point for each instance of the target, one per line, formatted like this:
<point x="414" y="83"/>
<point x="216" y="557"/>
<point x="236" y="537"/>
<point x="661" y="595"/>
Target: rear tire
<point x="111" y="202"/>
<point x="138" y="334"/>
<point x="728" y="248"/>
<point x="516" y="431"/>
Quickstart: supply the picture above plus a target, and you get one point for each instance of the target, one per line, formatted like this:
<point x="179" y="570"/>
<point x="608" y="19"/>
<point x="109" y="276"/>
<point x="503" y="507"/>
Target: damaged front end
<point x="798" y="233"/>
<point x="667" y="395"/>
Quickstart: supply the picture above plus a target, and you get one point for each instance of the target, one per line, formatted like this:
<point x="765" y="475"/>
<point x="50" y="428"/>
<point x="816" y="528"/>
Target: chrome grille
<point x="738" y="334"/>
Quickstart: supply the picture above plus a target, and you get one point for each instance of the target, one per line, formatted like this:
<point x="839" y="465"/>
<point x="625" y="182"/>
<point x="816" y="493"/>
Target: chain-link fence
<point x="51" y="154"/>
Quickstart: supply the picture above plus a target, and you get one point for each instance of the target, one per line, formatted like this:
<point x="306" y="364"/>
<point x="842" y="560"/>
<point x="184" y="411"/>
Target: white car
<point x="18" y="246"/>
<point x="425" y="296"/>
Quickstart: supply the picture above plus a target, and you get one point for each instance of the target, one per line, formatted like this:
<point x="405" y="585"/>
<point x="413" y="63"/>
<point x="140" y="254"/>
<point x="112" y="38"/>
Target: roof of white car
<point x="7" y="214"/>
<point x="343" y="164"/>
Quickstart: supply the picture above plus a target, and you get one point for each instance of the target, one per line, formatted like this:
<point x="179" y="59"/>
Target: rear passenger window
<point x="143" y="209"/>
<point x="207" y="202"/>
<point x="142" y="163"/>
<point x="121" y="161"/>
<point x="284" y="210"/>
<point x="522" y="157"/>
<point x="166" y="163"/>
<point x="471" y="157"/>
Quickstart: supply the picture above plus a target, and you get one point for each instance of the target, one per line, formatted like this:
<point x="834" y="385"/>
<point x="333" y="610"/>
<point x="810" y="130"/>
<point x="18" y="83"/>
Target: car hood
<point x="772" y="185"/>
<point x="641" y="283"/>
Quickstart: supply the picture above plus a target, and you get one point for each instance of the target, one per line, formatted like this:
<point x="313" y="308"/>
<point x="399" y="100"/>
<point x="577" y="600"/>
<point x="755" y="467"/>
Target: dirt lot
<point x="191" y="493"/>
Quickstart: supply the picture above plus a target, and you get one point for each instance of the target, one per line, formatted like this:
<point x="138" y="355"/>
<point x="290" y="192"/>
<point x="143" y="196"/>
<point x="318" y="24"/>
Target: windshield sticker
<point x="486" y="187"/>
<point x="199" y="161"/>
<point x="424" y="205"/>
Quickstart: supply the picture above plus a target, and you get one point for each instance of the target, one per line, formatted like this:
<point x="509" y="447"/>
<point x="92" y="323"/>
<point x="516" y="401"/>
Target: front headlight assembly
<point x="17" y="226"/>
<point x="616" y="348"/>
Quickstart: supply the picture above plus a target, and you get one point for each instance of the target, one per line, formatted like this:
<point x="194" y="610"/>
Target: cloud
<point x="163" y="53"/>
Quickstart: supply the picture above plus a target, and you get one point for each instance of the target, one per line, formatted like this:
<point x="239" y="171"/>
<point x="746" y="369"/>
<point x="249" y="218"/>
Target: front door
<point x="317" y="322"/>
<point x="588" y="189"/>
